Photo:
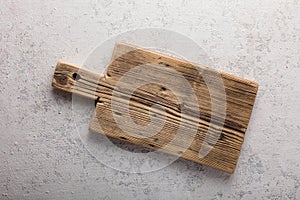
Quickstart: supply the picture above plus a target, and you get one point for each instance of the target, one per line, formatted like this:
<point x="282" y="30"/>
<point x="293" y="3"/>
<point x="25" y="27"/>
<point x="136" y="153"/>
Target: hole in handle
<point x="76" y="76"/>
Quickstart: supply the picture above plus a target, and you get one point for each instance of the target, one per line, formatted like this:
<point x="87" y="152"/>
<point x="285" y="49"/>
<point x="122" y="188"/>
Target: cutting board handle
<point x="76" y="80"/>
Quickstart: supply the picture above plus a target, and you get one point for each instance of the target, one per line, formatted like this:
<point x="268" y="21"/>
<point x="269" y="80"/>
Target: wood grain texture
<point x="239" y="97"/>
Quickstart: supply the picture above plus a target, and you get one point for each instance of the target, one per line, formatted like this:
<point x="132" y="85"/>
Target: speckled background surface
<point x="257" y="40"/>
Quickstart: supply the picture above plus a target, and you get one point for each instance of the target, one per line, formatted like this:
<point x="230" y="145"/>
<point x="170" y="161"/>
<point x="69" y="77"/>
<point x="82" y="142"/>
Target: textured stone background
<point x="258" y="40"/>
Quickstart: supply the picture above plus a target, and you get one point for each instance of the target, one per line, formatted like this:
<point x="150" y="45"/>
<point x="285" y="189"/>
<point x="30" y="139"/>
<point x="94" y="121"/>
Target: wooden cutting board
<point x="176" y="107"/>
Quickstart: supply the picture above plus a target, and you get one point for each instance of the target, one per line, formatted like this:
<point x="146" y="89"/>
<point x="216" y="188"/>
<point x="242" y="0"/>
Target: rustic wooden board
<point x="239" y="96"/>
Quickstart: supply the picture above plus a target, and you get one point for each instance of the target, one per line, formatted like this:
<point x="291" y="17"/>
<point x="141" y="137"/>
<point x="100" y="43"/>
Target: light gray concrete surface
<point x="258" y="40"/>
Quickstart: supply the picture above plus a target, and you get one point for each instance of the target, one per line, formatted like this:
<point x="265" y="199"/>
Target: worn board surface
<point x="239" y="97"/>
